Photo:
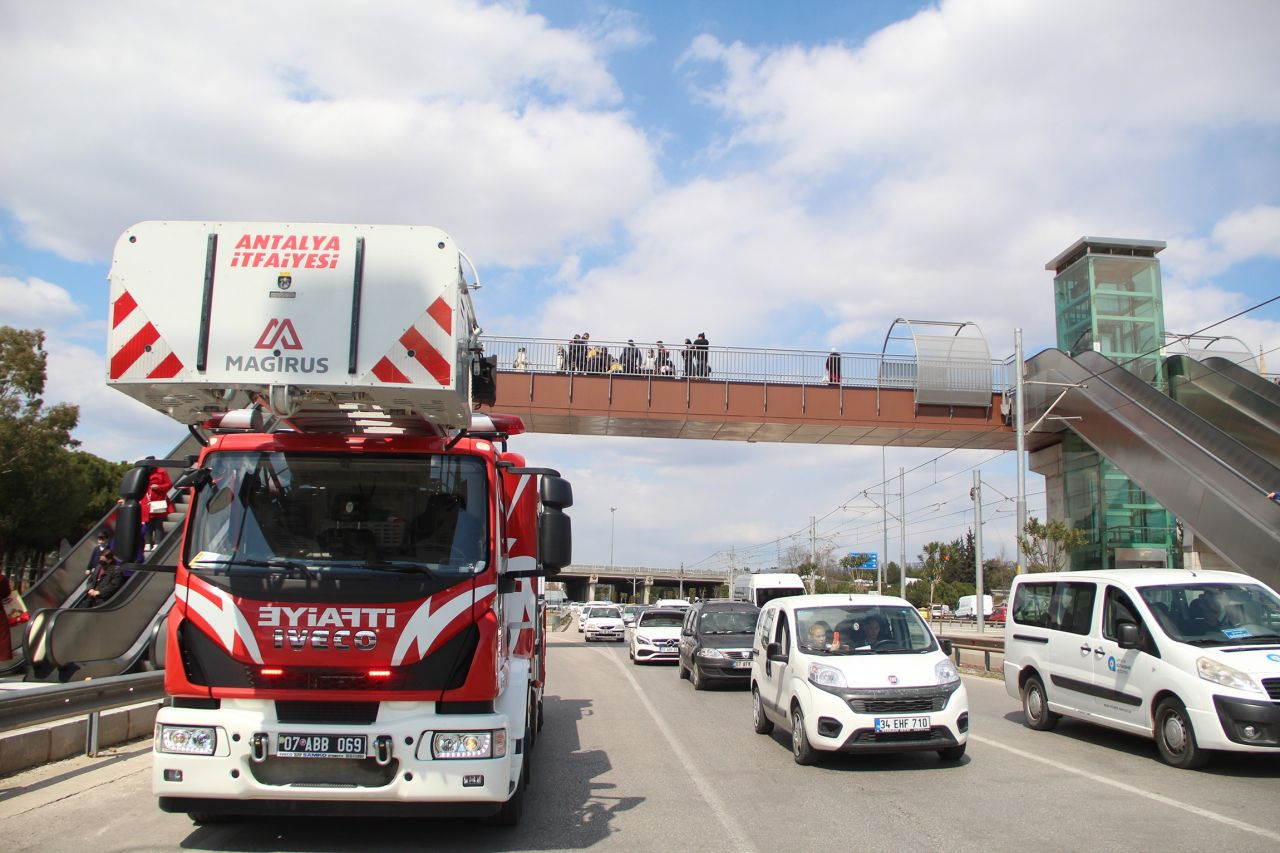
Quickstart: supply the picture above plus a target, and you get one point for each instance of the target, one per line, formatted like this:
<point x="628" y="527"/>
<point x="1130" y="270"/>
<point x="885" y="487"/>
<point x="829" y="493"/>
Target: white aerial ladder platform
<point x="330" y="328"/>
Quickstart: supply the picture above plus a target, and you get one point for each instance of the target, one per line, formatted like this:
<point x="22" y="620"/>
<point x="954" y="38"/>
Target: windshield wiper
<point x="399" y="566"/>
<point x="292" y="568"/>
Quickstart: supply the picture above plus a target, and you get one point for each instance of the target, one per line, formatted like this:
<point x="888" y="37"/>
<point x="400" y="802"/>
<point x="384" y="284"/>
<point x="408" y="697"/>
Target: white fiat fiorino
<point x="855" y="673"/>
<point x="1189" y="658"/>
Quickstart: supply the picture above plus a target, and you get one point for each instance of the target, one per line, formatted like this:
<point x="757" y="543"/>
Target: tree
<point x="1047" y="546"/>
<point x="34" y="505"/>
<point x="932" y="564"/>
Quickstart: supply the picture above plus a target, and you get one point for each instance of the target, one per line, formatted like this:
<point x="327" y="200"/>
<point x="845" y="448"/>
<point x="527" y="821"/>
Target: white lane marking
<point x="736" y="835"/>
<point x="1123" y="786"/>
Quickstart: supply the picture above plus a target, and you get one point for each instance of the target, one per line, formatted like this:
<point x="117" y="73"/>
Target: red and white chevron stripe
<point x="420" y="357"/>
<point x="144" y="354"/>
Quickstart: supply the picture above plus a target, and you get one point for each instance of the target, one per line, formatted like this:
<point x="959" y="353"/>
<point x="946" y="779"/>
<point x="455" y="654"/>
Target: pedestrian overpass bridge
<point x="949" y="394"/>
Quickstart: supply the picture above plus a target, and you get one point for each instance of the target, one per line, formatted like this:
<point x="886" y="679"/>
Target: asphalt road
<point x="632" y="758"/>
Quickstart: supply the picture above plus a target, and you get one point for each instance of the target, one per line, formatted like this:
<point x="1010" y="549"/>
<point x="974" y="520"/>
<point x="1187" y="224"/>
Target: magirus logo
<point x="279" y="335"/>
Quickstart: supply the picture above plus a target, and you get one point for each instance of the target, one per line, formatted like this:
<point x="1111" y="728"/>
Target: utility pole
<point x="884" y="524"/>
<point x="902" y="521"/>
<point x="1019" y="419"/>
<point x="976" y="494"/>
<point x="681" y="579"/>
<point x="813" y="554"/>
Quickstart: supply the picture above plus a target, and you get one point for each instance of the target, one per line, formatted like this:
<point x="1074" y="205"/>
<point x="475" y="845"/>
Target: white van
<point x="967" y="607"/>
<point x="766" y="586"/>
<point x="855" y="673"/>
<point x="1191" y="659"/>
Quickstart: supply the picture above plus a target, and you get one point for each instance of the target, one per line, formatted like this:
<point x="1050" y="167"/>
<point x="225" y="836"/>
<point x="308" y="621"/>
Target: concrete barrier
<point x="33" y="746"/>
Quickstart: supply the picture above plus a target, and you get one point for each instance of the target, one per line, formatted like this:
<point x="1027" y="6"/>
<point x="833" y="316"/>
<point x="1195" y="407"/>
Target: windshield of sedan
<point x="274" y="511"/>
<point x="1215" y="614"/>
<point x="660" y="620"/>
<point x="850" y="629"/>
<point x="604" y="613"/>
<point x="728" y="622"/>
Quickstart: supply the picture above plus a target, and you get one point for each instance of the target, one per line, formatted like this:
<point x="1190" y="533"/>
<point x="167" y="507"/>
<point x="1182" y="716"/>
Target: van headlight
<point x="827" y="677"/>
<point x="705" y="652"/>
<point x="946" y="672"/>
<point x="1227" y="676"/>
<point x="186" y="740"/>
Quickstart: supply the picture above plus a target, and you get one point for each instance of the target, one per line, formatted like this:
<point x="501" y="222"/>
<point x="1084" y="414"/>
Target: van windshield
<point x="728" y="622"/>
<point x="862" y="630"/>
<point x="1215" y="614"/>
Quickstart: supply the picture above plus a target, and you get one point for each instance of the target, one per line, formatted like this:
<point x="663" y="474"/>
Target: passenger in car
<point x="819" y="635"/>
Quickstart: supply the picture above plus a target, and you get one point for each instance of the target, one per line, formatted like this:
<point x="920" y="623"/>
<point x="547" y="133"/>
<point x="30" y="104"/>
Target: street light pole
<point x="613" y="517"/>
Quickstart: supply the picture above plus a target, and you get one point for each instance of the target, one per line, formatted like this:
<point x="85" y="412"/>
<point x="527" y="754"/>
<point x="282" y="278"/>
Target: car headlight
<point x="1227" y="676"/>
<point x="645" y="640"/>
<point x="186" y="740"/>
<point x="946" y="672"/>
<point x="715" y="654"/>
<point x="822" y="675"/>
<point x="469" y="744"/>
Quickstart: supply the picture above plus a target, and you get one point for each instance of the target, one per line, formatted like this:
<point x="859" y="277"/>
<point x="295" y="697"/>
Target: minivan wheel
<point x="801" y="749"/>
<point x="762" y="724"/>
<point x="1035" y="706"/>
<point x="684" y="671"/>
<point x="696" y="677"/>
<point x="1175" y="738"/>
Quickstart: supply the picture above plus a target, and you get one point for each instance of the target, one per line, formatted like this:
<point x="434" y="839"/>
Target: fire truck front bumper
<point x="242" y="760"/>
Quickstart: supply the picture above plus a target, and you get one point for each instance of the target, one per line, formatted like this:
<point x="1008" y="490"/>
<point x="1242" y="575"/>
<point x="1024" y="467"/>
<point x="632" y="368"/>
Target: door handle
<point x="1099" y="652"/>
<point x="1086" y="648"/>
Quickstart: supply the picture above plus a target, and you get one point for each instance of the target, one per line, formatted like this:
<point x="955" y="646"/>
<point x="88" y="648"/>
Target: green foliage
<point x="1047" y="546"/>
<point x="48" y="490"/>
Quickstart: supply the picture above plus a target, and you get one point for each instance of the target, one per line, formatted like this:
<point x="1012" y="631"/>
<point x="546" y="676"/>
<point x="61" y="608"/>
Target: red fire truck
<point x="357" y="624"/>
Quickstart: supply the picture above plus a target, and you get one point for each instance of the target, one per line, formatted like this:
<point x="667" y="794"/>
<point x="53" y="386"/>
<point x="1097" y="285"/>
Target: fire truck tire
<point x="539" y="726"/>
<point x="203" y="818"/>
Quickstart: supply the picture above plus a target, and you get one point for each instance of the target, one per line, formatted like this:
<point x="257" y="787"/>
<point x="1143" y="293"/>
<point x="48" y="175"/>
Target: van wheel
<point x="696" y="678"/>
<point x="762" y="724"/>
<point x="801" y="749"/>
<point x="1035" y="706"/>
<point x="205" y="818"/>
<point x="1175" y="738"/>
<point x="952" y="753"/>
<point x="684" y="672"/>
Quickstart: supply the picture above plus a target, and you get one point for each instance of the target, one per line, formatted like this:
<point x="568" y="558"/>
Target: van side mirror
<point x="1128" y="635"/>
<point x="944" y="643"/>
<point x="774" y="652"/>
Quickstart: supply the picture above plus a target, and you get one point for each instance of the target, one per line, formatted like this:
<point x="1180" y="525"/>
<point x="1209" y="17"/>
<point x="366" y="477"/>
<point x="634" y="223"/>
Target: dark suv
<point x="715" y="642"/>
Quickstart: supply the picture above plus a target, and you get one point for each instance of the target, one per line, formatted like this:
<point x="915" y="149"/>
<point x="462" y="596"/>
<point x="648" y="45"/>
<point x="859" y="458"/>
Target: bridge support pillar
<point x="591" y="587"/>
<point x="646" y="588"/>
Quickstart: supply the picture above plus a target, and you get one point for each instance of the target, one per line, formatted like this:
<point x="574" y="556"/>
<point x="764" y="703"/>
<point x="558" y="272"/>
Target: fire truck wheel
<point x="539" y="726"/>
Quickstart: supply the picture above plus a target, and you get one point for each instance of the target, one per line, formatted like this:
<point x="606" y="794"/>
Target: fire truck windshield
<point x="315" y="512"/>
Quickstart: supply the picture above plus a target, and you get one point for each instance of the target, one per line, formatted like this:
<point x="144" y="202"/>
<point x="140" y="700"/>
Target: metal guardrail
<point x="986" y="645"/>
<point x="724" y="364"/>
<point x="39" y="705"/>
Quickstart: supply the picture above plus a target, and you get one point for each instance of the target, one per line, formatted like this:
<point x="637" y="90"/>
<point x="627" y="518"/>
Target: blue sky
<point x="788" y="177"/>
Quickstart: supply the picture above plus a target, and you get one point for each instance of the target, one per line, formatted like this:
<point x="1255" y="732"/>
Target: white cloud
<point x="481" y="118"/>
<point x="33" y="302"/>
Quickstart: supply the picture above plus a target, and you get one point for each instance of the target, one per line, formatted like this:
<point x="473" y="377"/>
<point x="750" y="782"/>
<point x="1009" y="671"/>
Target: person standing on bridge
<point x="833" y="367"/>
<point x="701" y="345"/>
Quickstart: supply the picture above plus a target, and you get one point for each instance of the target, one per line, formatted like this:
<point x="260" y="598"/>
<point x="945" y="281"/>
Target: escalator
<point x="1214" y="484"/>
<point x="1239" y="402"/>
<point x="67" y="642"/>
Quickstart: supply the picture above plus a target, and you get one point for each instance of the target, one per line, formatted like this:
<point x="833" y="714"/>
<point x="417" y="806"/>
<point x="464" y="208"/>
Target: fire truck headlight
<point x="492" y="744"/>
<point x="186" y="740"/>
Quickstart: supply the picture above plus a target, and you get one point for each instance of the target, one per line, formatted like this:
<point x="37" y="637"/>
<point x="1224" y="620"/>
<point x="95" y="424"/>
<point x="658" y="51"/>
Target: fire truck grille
<point x="323" y="772"/>
<point x="332" y="713"/>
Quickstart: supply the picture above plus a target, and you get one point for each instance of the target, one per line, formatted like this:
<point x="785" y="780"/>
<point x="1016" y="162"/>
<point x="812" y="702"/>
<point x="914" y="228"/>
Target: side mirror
<point x="945" y="644"/>
<point x="1128" y="635"/>
<point x="133" y="485"/>
<point x="774" y="652"/>
<point x="555" y="541"/>
<point x="128" y="526"/>
<point x="198" y="477"/>
<point x="555" y="492"/>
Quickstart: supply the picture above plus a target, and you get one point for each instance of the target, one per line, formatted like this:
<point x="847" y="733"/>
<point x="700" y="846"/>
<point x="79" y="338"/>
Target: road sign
<point x="870" y="560"/>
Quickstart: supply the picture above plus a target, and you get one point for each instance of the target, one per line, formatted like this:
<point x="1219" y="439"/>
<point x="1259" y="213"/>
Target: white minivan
<point x="1189" y="658"/>
<point x="855" y="673"/>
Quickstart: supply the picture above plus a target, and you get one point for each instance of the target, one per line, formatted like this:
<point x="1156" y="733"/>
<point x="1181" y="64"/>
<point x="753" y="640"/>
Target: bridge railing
<point x="724" y="364"/>
<point x="646" y="572"/>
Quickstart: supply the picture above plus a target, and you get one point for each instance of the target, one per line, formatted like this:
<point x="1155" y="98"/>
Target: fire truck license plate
<point x="902" y="724"/>
<point x="320" y="746"/>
